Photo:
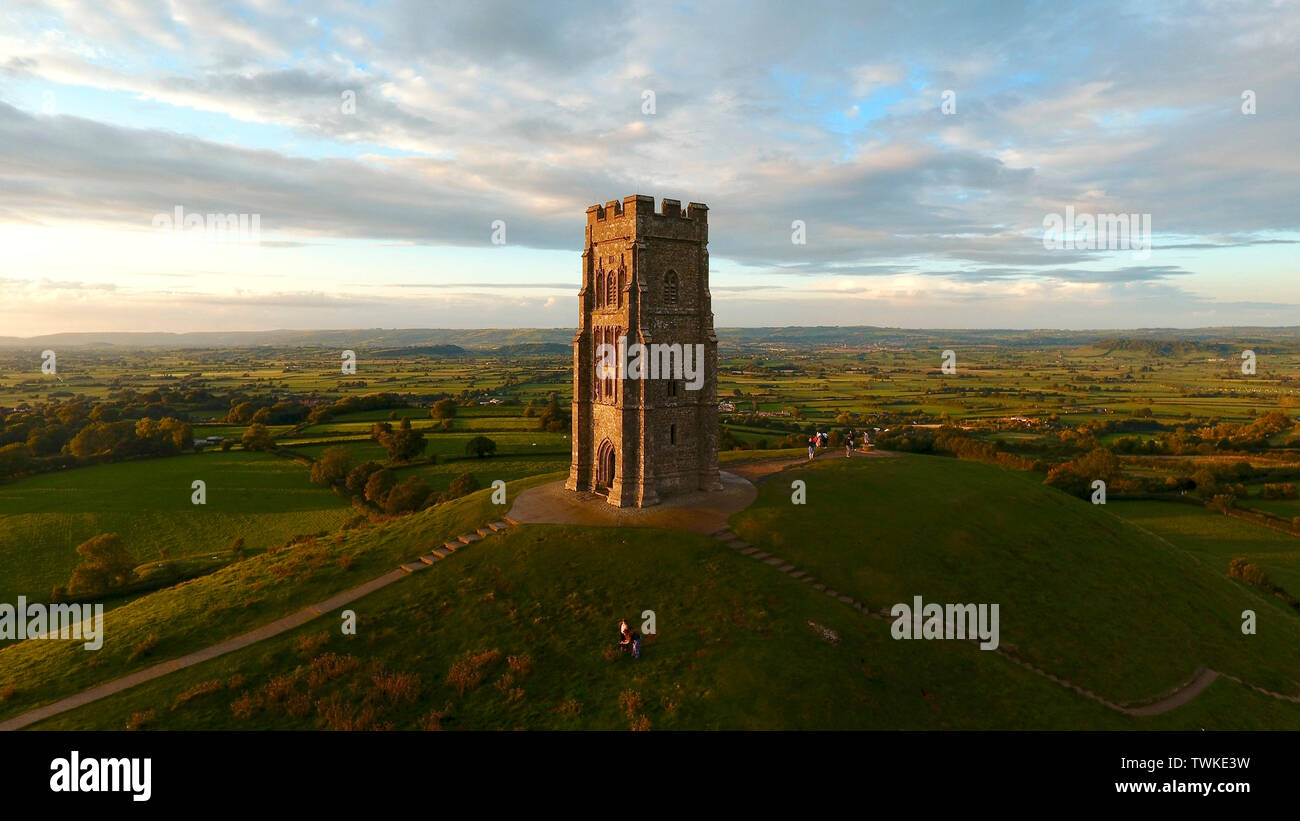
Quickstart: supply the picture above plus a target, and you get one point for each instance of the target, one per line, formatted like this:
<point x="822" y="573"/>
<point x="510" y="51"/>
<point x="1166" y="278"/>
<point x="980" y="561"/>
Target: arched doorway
<point x="605" y="464"/>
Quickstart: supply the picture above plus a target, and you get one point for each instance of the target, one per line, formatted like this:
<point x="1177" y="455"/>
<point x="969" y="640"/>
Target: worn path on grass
<point x="262" y="633"/>
<point x="1181" y="694"/>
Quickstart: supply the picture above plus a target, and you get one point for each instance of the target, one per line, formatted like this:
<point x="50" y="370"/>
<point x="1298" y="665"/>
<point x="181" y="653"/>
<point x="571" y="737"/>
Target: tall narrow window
<point x="611" y="287"/>
<point x="670" y="288"/>
<point x="622" y="275"/>
<point x="600" y="289"/>
<point x="672" y="434"/>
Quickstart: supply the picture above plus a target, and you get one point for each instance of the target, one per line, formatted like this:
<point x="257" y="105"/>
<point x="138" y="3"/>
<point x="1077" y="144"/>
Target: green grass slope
<point x="518" y="632"/>
<point x="735" y="650"/>
<point x="1217" y="539"/>
<point x="237" y="598"/>
<point x="1083" y="593"/>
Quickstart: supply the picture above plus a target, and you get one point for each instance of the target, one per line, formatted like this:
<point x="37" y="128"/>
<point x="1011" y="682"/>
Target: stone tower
<point x="640" y="433"/>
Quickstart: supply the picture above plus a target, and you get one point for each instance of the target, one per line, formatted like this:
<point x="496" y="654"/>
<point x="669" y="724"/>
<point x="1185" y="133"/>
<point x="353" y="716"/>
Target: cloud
<point x="826" y="114"/>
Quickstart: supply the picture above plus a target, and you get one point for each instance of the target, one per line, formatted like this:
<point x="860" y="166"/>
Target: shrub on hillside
<point x="407" y="497"/>
<point x="462" y="485"/>
<point x="332" y="466"/>
<point x="378" y="485"/>
<point x="1254" y="575"/>
<point x="105" y="565"/>
<point x="359" y="475"/>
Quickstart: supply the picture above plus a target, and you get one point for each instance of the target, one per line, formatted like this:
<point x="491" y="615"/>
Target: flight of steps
<point x="461" y="542"/>
<point x="744" y="548"/>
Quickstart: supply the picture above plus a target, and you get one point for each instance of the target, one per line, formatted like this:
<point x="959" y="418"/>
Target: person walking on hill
<point x="848" y="445"/>
<point x="629" y="639"/>
<point x="812" y="447"/>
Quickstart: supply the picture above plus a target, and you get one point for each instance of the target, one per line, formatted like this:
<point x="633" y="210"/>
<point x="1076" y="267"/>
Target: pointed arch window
<point x="610" y="290"/>
<point x="600" y="288"/>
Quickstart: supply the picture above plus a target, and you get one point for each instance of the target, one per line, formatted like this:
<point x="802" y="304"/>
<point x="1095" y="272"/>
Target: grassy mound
<point x="232" y="600"/>
<point x="519" y="632"/>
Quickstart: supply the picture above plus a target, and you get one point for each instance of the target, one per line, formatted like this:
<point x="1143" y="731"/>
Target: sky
<point x="429" y="165"/>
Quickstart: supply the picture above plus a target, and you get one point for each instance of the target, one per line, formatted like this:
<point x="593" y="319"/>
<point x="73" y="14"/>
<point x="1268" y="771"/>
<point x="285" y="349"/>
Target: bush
<point x="257" y="437"/>
<point x="480" y="446"/>
<point x="1222" y="502"/>
<point x="105" y="565"/>
<point x="359" y="475"/>
<point x="468" y="672"/>
<point x="403" y="444"/>
<point x="443" y="409"/>
<point x="409" y="496"/>
<point x="332" y="466"/>
<point x="462" y="485"/>
<point x="1281" y="490"/>
<point x="378" y="486"/>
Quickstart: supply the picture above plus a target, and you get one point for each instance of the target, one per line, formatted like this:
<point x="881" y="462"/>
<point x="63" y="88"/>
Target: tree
<point x="462" y="485"/>
<point x="408" y="496"/>
<point x="359" y="475"/>
<point x="403" y="444"/>
<point x="480" y="446"/>
<point x="443" y="409"/>
<point x="14" y="458"/>
<point x="332" y="466"/>
<point x="257" y="437"/>
<point x="379" y="484"/>
<point x="105" y="564"/>
<point x="1099" y="463"/>
<point x="555" y="419"/>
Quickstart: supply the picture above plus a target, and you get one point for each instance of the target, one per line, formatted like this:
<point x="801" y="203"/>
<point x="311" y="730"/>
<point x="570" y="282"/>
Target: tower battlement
<point x="642" y="205"/>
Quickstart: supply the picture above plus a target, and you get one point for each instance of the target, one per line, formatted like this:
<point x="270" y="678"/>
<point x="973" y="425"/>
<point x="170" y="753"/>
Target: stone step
<point x="452" y="546"/>
<point x="774" y="561"/>
<point x="737" y="544"/>
<point x="484" y="532"/>
<point x="717" y="534"/>
<point x="819" y="586"/>
<point x="510" y="521"/>
<point x="411" y="567"/>
<point x="786" y="568"/>
<point x="749" y="551"/>
<point x="725" y="534"/>
<point x="801" y="574"/>
<point x="760" y="555"/>
<point x="498" y="526"/>
<point x="469" y="538"/>
<point x="441" y="552"/>
<point x="430" y="558"/>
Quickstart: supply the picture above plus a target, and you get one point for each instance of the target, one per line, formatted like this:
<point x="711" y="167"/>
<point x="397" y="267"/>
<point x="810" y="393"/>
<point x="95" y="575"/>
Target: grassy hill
<point x="1083" y="593"/>
<point x="246" y="594"/>
<point x="739" y="647"/>
<point x="518" y="630"/>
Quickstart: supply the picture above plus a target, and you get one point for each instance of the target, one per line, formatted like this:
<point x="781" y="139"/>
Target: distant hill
<point x="525" y="341"/>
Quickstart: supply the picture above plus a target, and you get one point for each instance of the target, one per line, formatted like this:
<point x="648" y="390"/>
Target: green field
<point x="263" y="498"/>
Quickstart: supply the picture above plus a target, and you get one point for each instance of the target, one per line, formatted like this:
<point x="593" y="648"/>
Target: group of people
<point x="820" y="439"/>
